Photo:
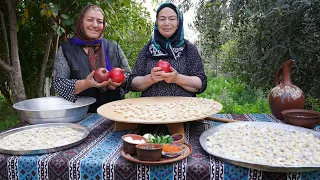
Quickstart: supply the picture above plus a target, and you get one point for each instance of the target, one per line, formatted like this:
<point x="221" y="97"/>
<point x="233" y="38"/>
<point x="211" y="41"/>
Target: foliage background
<point x="128" y="23"/>
<point x="251" y="39"/>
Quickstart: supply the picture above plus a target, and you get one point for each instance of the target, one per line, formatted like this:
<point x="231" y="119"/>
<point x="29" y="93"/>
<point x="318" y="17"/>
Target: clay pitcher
<point x="285" y="95"/>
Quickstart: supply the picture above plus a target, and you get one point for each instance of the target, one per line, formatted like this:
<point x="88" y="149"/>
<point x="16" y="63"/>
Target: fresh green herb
<point x="158" y="139"/>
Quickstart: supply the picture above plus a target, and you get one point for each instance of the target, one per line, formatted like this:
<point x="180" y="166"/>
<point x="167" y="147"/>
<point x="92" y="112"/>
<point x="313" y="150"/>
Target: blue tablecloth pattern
<point x="98" y="157"/>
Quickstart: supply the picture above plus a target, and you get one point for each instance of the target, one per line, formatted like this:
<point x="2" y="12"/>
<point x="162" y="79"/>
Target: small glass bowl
<point x="173" y="154"/>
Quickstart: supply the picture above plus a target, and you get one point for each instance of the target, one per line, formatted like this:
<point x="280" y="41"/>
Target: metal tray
<point x="84" y="130"/>
<point x="248" y="164"/>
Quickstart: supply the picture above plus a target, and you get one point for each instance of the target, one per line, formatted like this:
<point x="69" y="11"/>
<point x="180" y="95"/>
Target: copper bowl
<point x="178" y="138"/>
<point x="149" y="152"/>
<point x="130" y="146"/>
<point x="301" y="117"/>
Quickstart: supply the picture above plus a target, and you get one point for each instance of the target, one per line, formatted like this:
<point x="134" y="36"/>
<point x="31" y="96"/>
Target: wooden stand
<point x="175" y="128"/>
<point x="120" y="126"/>
<point x="172" y="128"/>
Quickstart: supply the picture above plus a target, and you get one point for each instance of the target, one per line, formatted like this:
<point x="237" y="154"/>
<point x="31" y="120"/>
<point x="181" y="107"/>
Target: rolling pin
<point x="210" y="118"/>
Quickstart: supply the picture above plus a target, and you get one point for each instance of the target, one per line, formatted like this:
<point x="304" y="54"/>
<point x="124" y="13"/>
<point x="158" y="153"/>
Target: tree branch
<point x="5" y="66"/>
<point x="45" y="60"/>
<point x="5" y="37"/>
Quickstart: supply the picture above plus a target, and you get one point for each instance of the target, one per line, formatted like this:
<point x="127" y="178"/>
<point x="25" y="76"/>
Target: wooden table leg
<point x="120" y="126"/>
<point x="175" y="128"/>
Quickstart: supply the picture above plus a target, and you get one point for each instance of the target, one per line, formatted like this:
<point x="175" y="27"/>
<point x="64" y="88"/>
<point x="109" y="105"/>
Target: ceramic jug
<point x="285" y="95"/>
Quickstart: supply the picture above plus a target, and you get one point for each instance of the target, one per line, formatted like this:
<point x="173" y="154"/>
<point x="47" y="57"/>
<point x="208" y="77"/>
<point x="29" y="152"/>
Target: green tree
<point x="38" y="26"/>
<point x="255" y="37"/>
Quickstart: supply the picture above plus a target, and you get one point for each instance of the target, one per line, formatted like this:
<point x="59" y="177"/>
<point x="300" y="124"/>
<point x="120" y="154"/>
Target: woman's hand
<point x="113" y="85"/>
<point x="156" y="74"/>
<point x="87" y="83"/>
<point x="171" y="76"/>
<point x="92" y="83"/>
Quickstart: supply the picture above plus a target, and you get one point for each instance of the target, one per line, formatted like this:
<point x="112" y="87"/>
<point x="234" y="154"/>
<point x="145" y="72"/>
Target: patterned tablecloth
<point x="98" y="157"/>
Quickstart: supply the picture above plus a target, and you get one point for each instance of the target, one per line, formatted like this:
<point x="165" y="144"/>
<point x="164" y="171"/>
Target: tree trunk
<point x="54" y="52"/>
<point x="45" y="62"/>
<point x="5" y="38"/>
<point x="18" y="89"/>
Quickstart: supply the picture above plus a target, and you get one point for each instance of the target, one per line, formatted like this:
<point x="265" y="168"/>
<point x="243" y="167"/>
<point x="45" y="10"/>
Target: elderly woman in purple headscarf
<point x="77" y="59"/>
<point x="186" y="76"/>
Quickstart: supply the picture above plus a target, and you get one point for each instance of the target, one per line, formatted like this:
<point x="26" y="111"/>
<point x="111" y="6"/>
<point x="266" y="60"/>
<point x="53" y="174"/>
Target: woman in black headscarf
<point x="78" y="58"/>
<point x="186" y="76"/>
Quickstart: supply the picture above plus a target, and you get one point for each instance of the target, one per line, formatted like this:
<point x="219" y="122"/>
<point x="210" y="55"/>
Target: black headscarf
<point x="162" y="47"/>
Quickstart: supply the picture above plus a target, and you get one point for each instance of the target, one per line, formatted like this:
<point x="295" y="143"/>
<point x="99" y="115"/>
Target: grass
<point x="236" y="97"/>
<point x="8" y="116"/>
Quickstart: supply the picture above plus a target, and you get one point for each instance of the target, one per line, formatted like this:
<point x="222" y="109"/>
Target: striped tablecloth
<point x="98" y="157"/>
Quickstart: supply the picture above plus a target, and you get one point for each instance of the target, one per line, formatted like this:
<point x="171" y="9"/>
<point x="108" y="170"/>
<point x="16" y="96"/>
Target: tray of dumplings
<point x="42" y="138"/>
<point x="266" y="146"/>
<point x="159" y="110"/>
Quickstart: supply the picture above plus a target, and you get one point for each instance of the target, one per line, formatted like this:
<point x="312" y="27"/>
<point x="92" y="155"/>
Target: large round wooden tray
<point x="163" y="160"/>
<point x="250" y="164"/>
<point x="177" y="114"/>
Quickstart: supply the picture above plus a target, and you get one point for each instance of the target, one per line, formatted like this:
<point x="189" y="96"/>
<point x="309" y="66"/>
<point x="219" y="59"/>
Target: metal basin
<point x="53" y="109"/>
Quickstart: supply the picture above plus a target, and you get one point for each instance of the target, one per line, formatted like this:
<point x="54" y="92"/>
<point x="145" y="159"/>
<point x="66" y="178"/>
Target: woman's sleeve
<point x="62" y="84"/>
<point x="195" y="67"/>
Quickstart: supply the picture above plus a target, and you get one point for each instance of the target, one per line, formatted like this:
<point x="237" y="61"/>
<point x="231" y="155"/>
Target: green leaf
<point x="23" y="20"/>
<point x="67" y="22"/>
<point x="166" y="136"/>
<point x="51" y="5"/>
<point x="26" y="13"/>
<point x="43" y="12"/>
<point x="64" y="16"/>
<point x="60" y="31"/>
<point x="54" y="27"/>
<point x="163" y="141"/>
<point x="158" y="139"/>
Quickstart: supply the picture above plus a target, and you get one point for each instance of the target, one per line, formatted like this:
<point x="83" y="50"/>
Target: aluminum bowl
<point x="53" y="109"/>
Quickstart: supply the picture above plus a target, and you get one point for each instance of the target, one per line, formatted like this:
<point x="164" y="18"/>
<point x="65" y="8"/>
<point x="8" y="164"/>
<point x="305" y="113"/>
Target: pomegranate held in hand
<point x="101" y="74"/>
<point x="117" y="75"/>
<point x="164" y="65"/>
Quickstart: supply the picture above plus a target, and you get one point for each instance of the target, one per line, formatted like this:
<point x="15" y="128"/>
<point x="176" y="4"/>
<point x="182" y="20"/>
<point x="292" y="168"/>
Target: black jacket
<point x="78" y="62"/>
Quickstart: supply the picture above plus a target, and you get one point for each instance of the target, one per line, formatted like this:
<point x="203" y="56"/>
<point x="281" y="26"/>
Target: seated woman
<point x="187" y="76"/>
<point x="77" y="59"/>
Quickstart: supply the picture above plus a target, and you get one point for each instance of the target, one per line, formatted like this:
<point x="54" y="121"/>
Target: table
<point x="99" y="157"/>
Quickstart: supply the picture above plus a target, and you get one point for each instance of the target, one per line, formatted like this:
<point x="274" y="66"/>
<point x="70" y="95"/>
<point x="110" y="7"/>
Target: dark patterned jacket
<point x="189" y="63"/>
